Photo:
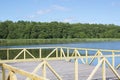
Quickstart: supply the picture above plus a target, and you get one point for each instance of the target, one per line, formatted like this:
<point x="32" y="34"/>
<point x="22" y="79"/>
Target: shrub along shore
<point x="53" y="30"/>
<point x="6" y="42"/>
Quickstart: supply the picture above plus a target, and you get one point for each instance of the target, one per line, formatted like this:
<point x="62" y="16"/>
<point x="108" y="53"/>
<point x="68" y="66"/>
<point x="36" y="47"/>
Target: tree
<point x="45" y="30"/>
<point x="4" y="29"/>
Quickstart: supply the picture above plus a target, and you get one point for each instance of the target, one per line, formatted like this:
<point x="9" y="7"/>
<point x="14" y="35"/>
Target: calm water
<point x="97" y="45"/>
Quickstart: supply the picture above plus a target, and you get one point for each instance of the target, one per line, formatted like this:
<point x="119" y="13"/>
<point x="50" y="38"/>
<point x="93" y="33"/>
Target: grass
<point x="6" y="42"/>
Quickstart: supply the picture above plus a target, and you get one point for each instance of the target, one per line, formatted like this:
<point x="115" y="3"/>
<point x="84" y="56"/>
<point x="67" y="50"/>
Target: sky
<point x="72" y="11"/>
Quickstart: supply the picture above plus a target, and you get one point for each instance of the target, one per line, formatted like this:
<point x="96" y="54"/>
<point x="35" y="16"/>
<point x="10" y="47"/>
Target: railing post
<point x="7" y="54"/>
<point x="98" y="56"/>
<point x="75" y="52"/>
<point x="86" y="54"/>
<point x="24" y="54"/>
<point x="103" y="70"/>
<point x="40" y="55"/>
<point x="67" y="52"/>
<point x="76" y="69"/>
<point x="3" y="72"/>
<point x="56" y="52"/>
<point x="61" y="53"/>
<point x="113" y="59"/>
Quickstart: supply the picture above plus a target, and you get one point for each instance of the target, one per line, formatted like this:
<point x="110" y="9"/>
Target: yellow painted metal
<point x="18" y="54"/>
<point x="76" y="69"/>
<point x="3" y="72"/>
<point x="103" y="70"/>
<point x="51" y="53"/>
<point x="77" y="53"/>
<point x="40" y="53"/>
<point x="29" y="54"/>
<point x="73" y="54"/>
<point x="118" y="66"/>
<point x="54" y="58"/>
<point x="103" y="61"/>
<point x="86" y="54"/>
<point x="112" y="68"/>
<point x="54" y="72"/>
<point x="95" y="70"/>
<point x="12" y="76"/>
<point x="38" y="67"/>
<point x="44" y="69"/>
<point x="98" y="55"/>
<point x="44" y="65"/>
<point x="65" y="55"/>
<point x="7" y="54"/>
<point x="24" y="54"/>
<point x="57" y="52"/>
<point x="68" y="52"/>
<point x="62" y="53"/>
<point x="22" y="72"/>
<point x="113" y="59"/>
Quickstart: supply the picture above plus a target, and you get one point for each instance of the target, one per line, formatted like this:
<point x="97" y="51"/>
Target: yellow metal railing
<point x="56" y="53"/>
<point x="13" y="71"/>
<point x="86" y="55"/>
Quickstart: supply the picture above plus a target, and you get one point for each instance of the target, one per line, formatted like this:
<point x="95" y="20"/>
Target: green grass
<point x="6" y="42"/>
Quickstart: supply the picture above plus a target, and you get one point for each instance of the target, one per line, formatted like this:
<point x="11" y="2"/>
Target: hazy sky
<point x="73" y="11"/>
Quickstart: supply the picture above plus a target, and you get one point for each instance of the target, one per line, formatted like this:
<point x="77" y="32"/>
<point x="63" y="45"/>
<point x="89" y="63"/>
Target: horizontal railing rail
<point x="56" y="53"/>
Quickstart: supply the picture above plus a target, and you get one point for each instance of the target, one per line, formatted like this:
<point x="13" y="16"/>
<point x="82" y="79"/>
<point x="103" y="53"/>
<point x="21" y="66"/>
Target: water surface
<point x="97" y="45"/>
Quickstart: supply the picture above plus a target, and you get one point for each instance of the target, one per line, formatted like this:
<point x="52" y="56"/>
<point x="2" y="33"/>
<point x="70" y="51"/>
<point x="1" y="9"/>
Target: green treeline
<point x="49" y="30"/>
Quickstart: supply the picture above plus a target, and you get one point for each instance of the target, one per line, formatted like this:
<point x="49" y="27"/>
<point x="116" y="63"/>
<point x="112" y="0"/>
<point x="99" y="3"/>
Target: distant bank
<point x="5" y="42"/>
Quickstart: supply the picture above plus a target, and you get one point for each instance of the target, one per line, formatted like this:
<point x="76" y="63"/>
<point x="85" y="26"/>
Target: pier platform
<point x="65" y="69"/>
<point x="59" y="63"/>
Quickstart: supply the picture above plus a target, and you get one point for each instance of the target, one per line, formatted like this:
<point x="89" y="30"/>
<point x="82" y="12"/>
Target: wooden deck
<point x="54" y="66"/>
<point x="65" y="69"/>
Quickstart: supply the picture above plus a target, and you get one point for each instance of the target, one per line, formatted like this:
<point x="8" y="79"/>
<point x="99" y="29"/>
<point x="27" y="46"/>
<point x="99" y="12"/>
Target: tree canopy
<point x="49" y="30"/>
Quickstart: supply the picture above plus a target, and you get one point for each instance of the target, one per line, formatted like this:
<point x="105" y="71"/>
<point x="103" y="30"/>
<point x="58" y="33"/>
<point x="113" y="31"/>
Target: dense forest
<point x="49" y="30"/>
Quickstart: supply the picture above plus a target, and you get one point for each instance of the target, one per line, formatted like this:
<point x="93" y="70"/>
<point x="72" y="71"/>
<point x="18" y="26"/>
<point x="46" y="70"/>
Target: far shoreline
<point x="10" y="42"/>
